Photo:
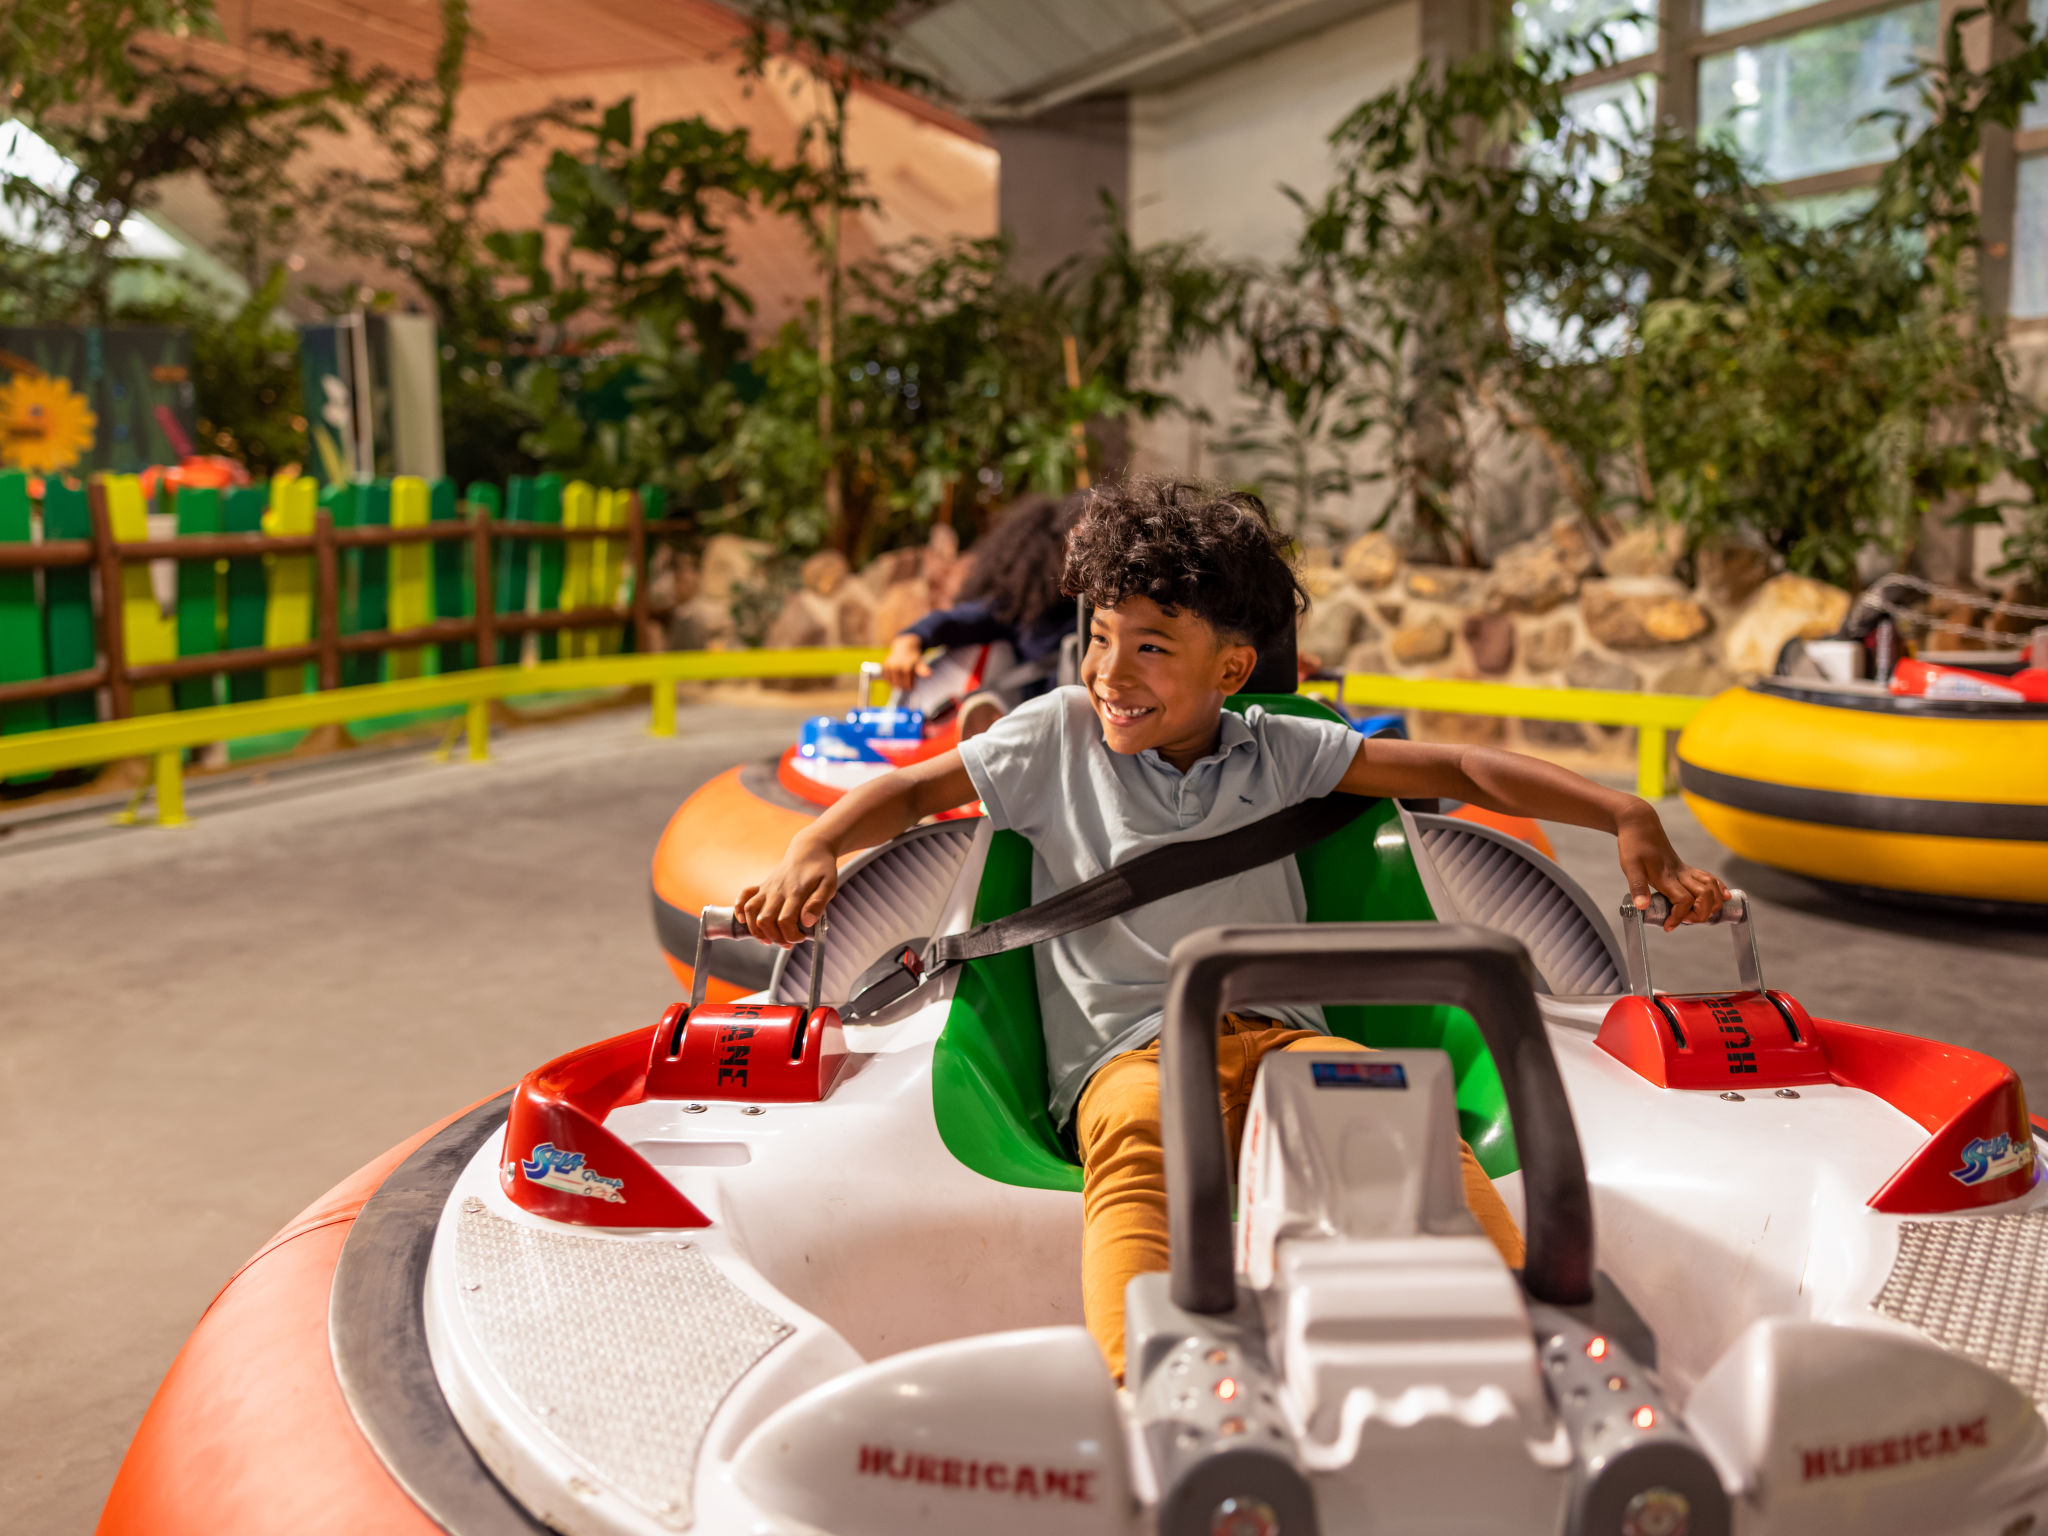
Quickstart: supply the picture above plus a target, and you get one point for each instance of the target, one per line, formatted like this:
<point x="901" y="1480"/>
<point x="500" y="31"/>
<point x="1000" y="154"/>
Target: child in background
<point x="1185" y="583"/>
<point x="1012" y="594"/>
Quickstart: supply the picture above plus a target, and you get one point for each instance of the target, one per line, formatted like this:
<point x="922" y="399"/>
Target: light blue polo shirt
<point x="1045" y="771"/>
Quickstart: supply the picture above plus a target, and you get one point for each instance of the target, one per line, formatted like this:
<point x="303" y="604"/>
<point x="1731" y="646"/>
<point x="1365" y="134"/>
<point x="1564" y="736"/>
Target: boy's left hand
<point x="1652" y="864"/>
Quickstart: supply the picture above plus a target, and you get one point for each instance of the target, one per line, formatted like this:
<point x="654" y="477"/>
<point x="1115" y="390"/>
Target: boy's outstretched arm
<point x="781" y="907"/>
<point x="1526" y="786"/>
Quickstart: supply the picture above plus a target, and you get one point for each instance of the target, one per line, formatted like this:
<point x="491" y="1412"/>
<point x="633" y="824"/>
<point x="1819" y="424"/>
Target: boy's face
<point x="1158" y="678"/>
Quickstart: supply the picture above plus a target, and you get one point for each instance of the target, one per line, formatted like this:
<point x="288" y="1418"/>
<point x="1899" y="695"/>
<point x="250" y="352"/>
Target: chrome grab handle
<point x="870" y="678"/>
<point x="724" y="923"/>
<point x="1734" y="913"/>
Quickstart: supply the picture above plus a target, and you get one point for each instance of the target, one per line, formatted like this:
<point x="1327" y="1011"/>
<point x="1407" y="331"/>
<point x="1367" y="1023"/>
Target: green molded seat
<point x="988" y="1070"/>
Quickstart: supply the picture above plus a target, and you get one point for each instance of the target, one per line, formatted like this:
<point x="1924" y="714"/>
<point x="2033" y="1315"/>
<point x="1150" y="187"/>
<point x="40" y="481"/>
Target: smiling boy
<point x="1186" y="582"/>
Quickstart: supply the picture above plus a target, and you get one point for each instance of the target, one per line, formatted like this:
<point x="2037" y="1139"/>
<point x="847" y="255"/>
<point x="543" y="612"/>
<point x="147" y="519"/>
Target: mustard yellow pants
<point x="1123" y="1166"/>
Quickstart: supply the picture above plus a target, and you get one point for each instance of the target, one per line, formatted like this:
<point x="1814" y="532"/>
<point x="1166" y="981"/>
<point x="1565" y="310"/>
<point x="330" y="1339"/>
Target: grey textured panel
<point x="622" y="1349"/>
<point x="895" y="894"/>
<point x="1980" y="1288"/>
<point x="1500" y="882"/>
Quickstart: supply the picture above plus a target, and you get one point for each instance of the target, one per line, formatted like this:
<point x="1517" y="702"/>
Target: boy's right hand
<point x="904" y="664"/>
<point x="782" y="908"/>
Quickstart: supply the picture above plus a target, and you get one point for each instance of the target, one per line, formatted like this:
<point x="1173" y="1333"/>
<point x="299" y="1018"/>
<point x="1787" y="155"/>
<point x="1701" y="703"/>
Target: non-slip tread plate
<point x="621" y="1348"/>
<point x="1979" y="1287"/>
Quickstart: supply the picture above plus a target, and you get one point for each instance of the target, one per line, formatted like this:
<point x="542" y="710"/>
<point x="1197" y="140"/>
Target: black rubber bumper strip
<point x="1869" y="813"/>
<point x="1910" y="706"/>
<point x="746" y="963"/>
<point x="763" y="780"/>
<point x="377" y="1331"/>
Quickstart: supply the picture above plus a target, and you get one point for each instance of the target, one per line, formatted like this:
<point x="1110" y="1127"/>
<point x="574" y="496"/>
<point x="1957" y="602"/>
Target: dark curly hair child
<point x="1188" y="548"/>
<point x="1012" y="594"/>
<point x="1186" y="582"/>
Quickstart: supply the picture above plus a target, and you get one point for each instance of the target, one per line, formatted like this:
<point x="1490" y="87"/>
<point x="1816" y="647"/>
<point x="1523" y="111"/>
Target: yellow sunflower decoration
<point x="46" y="426"/>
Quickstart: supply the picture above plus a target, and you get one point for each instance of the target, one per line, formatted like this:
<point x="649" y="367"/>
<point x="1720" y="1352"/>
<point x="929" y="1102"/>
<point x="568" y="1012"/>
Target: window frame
<point x="1675" y="62"/>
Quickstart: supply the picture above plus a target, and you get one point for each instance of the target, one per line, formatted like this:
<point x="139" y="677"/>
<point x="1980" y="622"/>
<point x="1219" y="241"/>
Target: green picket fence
<point x="67" y="659"/>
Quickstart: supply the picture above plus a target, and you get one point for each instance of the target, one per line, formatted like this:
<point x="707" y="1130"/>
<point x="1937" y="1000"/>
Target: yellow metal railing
<point x="164" y="738"/>
<point x="1654" y="715"/>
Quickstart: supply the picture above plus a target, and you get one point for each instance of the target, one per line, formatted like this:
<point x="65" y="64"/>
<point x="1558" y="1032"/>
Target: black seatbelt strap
<point x="1150" y="877"/>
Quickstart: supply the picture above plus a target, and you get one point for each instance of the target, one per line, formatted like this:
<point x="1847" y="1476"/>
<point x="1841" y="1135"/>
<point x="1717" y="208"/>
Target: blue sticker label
<point x="558" y="1169"/>
<point x="1993" y="1157"/>
<point x="1359" y="1074"/>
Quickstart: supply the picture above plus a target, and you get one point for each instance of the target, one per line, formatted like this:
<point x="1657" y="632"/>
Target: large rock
<point x="686" y="629"/>
<point x="1727" y="573"/>
<point x="1320" y="581"/>
<point x="890" y="567"/>
<point x="1372" y="561"/>
<point x="901" y="605"/>
<point x="853" y="621"/>
<point x="1531" y="577"/>
<point x="1441" y="583"/>
<point x="1427" y="640"/>
<point x="1648" y="549"/>
<point x="1548" y="647"/>
<point x="1784" y="608"/>
<point x="1330" y="627"/>
<point x="1366" y="656"/>
<point x="1574" y="545"/>
<point x="826" y="572"/>
<point x="799" y="623"/>
<point x="704" y="623"/>
<point x="1632" y="613"/>
<point x="730" y="561"/>
<point x="1589" y="669"/>
<point x="1491" y="639"/>
<point x="1700" y="675"/>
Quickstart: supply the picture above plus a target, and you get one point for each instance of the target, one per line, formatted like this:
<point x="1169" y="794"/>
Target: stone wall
<point x="1556" y="612"/>
<point x="830" y="603"/>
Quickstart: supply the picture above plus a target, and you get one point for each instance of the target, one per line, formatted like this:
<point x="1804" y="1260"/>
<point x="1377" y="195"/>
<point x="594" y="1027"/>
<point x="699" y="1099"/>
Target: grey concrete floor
<point x="201" y="1030"/>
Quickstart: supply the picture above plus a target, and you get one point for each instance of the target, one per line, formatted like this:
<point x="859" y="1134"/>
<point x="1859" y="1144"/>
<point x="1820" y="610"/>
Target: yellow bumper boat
<point x="1848" y="783"/>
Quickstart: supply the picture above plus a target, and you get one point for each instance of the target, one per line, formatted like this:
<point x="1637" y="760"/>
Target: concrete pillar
<point x="1055" y="168"/>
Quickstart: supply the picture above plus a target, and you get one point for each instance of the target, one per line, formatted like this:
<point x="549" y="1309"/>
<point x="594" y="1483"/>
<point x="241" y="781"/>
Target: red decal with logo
<point x="1858" y="1457"/>
<point x="1010" y="1479"/>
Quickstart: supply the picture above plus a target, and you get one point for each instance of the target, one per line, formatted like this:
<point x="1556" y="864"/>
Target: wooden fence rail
<point x="474" y="522"/>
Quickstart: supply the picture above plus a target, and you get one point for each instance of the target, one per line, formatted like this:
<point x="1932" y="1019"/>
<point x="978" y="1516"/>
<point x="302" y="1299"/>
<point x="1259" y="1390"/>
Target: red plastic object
<point x="765" y="1053"/>
<point x="1522" y="827"/>
<point x="249" y="1433"/>
<point x="1738" y="1040"/>
<point x="560" y="1162"/>
<point x="1920" y="679"/>
<point x="1980" y="1147"/>
<point x="1981" y="1150"/>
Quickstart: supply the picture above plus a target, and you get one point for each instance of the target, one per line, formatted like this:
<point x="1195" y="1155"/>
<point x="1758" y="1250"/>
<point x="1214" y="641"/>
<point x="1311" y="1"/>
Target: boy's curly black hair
<point x="1190" y="547"/>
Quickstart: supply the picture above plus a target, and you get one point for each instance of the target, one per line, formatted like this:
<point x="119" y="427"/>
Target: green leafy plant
<point x="835" y="45"/>
<point x="963" y="385"/>
<point x="1641" y="309"/>
<point x="641" y="289"/>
